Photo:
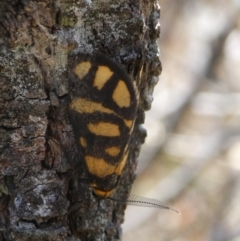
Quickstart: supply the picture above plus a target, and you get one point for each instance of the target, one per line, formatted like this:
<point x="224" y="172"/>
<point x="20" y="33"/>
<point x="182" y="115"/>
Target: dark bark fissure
<point x="41" y="172"/>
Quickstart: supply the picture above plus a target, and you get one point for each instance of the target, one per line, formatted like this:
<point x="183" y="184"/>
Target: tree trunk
<point x="44" y="191"/>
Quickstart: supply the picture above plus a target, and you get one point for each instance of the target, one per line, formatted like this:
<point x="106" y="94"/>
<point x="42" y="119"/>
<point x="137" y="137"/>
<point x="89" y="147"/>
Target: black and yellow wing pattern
<point x="103" y="106"/>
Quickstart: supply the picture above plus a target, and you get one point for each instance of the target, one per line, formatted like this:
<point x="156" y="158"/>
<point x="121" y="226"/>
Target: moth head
<point x="102" y="194"/>
<point x="104" y="187"/>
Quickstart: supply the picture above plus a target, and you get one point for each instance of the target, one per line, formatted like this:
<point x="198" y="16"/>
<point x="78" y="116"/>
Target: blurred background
<point x="191" y="158"/>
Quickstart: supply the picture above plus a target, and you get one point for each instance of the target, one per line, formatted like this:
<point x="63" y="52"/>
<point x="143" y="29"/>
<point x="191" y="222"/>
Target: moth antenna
<point x="136" y="200"/>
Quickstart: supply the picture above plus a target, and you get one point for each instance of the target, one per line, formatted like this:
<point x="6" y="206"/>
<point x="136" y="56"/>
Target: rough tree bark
<point x="41" y="174"/>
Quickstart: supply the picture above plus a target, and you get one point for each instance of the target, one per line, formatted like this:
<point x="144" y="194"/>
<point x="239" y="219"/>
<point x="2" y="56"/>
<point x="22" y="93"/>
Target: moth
<point x="103" y="108"/>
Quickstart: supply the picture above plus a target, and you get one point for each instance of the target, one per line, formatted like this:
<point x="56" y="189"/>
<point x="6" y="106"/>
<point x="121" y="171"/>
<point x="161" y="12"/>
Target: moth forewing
<point x="103" y="106"/>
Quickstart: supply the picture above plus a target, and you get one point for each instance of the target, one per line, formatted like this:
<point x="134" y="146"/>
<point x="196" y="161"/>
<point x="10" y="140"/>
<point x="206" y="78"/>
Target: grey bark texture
<point x="41" y="176"/>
